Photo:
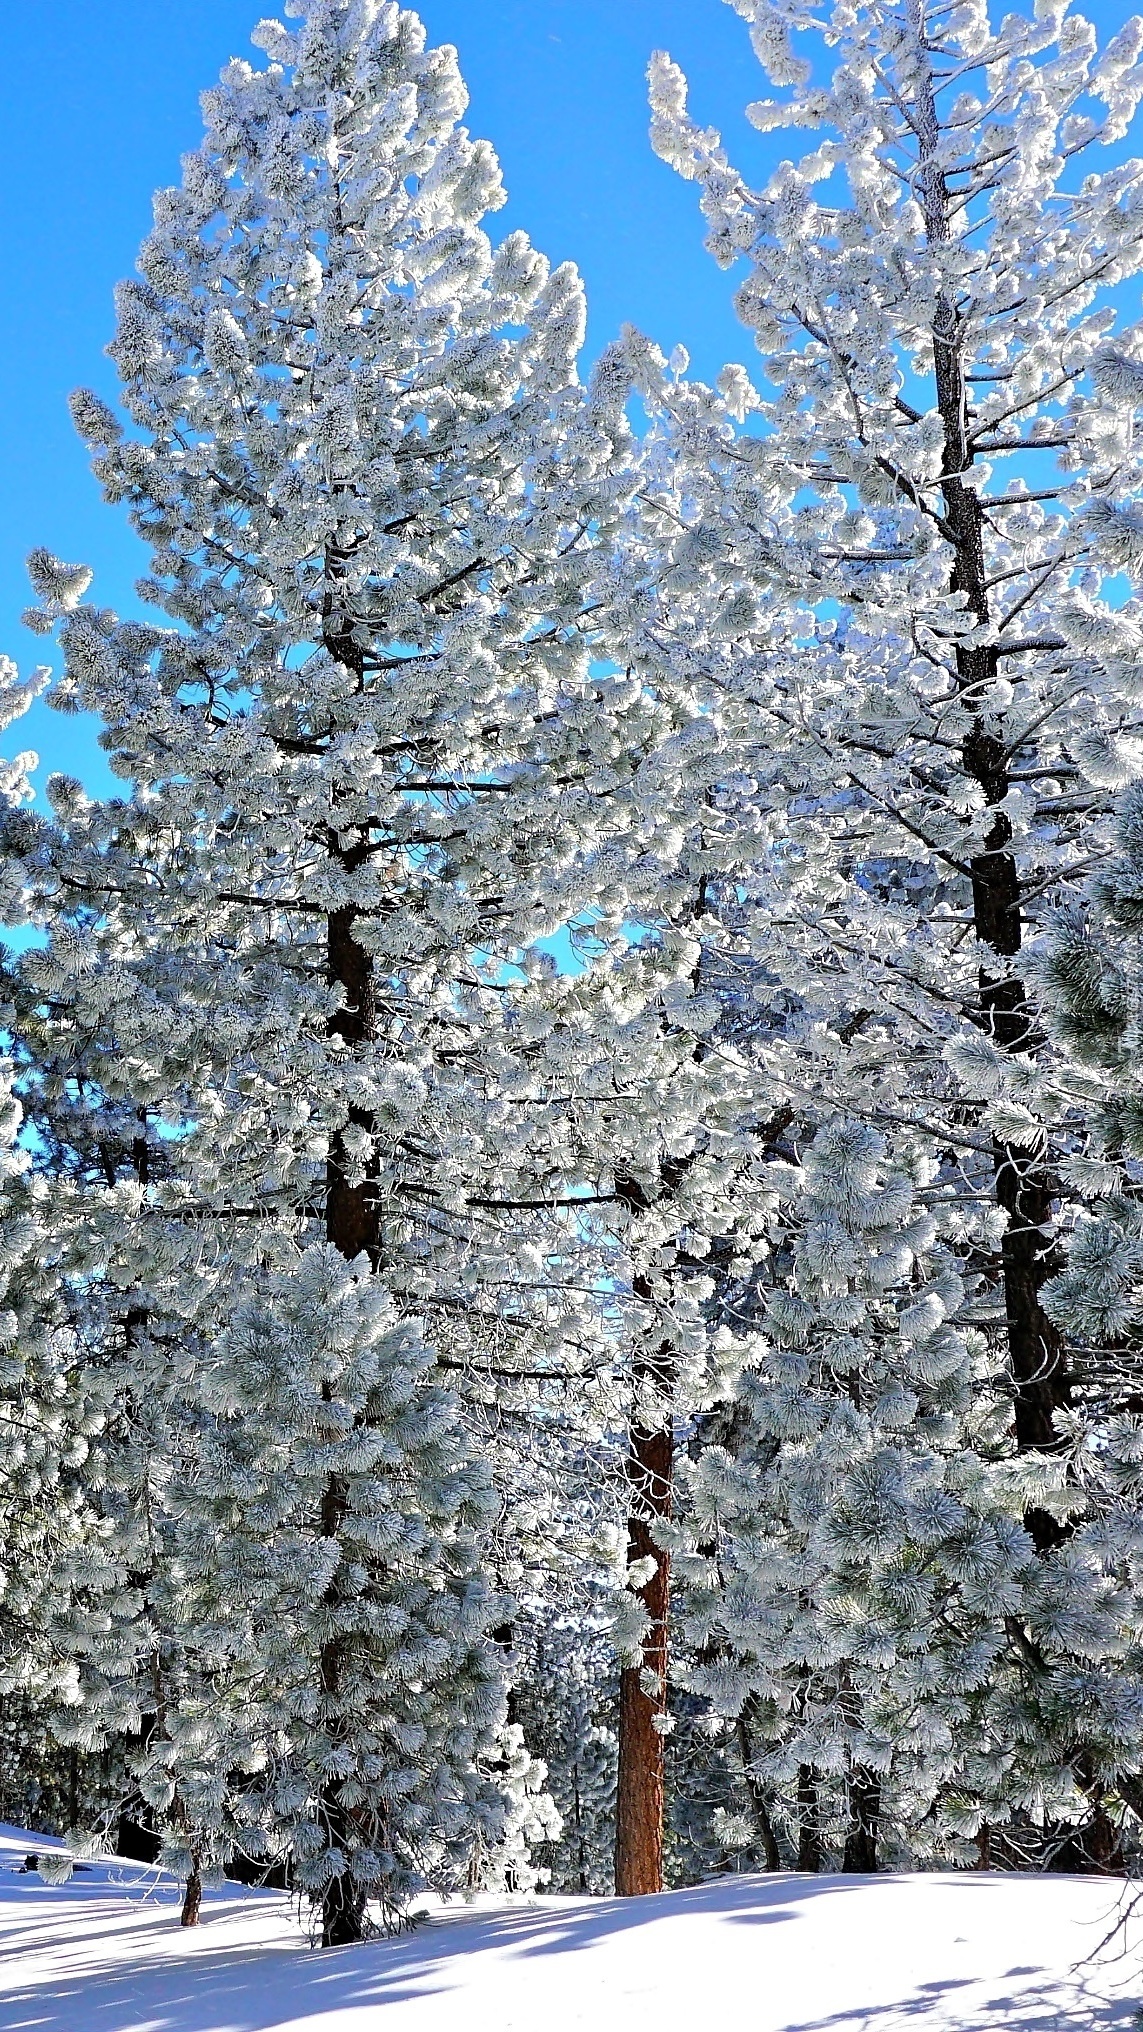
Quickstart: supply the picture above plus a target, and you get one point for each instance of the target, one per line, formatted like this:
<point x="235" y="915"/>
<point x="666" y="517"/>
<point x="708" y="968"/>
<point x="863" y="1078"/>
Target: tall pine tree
<point x="272" y="1044"/>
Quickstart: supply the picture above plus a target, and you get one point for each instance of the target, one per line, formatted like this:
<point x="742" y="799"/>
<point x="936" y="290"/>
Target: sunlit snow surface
<point x="749" y="1954"/>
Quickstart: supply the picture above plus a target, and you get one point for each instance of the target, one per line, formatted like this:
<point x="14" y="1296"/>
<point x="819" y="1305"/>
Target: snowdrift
<point x="104" y="1953"/>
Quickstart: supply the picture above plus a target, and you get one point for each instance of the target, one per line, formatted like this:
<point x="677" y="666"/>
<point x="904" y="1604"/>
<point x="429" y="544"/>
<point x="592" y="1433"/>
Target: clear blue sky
<point x="98" y="102"/>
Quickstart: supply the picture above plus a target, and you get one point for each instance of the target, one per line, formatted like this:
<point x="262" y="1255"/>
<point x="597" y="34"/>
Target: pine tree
<point x="43" y="1515"/>
<point x="974" y="668"/>
<point x="852" y="1550"/>
<point x="677" y="1107"/>
<point x="370" y="1272"/>
<point x="275" y="1040"/>
<point x="945" y="688"/>
<point x="50" y="1409"/>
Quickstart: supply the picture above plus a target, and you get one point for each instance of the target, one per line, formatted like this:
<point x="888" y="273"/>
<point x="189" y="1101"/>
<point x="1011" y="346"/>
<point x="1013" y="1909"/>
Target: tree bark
<point x="1099" y="1845"/>
<point x="192" y="1898"/>
<point x="759" y="1804"/>
<point x="352" y="1227"/>
<point x="640" y="1791"/>
<point x="1022" y="1181"/>
<point x="809" y="1830"/>
<point x="860" y="1856"/>
<point x="577" y="1821"/>
<point x="640" y="1799"/>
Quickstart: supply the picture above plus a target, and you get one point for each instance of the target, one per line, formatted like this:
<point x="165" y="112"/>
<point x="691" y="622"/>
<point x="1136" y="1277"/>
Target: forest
<point x="571" y="1141"/>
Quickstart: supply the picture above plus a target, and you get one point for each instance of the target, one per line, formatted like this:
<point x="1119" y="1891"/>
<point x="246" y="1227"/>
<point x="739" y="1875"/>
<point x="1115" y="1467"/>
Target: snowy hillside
<point x="780" y="1954"/>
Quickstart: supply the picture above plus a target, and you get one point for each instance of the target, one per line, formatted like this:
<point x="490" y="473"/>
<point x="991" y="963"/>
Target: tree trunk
<point x="640" y="1793"/>
<point x="1099" y="1845"/>
<point x="577" y="1823"/>
<point x="192" y="1898"/>
<point x="640" y="1799"/>
<point x="860" y="1857"/>
<point x="809" y="1829"/>
<point x="1103" y="1843"/>
<point x="352" y="1227"/>
<point x="343" y="1900"/>
<point x="1023" y="1183"/>
<point x="759" y="1804"/>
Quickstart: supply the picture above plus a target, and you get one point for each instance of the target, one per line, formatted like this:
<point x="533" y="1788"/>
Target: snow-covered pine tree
<point x="42" y="1416"/>
<point x="50" y="1410"/>
<point x="938" y="311"/>
<point x="567" y="1700"/>
<point x="675" y="1105"/>
<point x="931" y="292"/>
<point x="295" y="961"/>
<point x="1086" y="969"/>
<point x="851" y="1550"/>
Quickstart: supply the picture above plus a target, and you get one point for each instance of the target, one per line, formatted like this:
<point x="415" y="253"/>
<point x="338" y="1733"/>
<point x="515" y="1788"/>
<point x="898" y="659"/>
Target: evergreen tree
<point x="380" y="1290"/>
<point x="974" y="668"/>
<point x="855" y="1540"/>
<point x="271" y="1043"/>
<point x="50" y="1410"/>
<point x="945" y="691"/>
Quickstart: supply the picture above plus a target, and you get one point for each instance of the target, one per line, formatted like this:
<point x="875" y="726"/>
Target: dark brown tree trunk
<point x="577" y="1822"/>
<point x="1099" y="1845"/>
<point x="759" y="1804"/>
<point x="352" y="1227"/>
<point x="809" y="1828"/>
<point x="192" y="1898"/>
<point x="1023" y="1183"/>
<point x="860" y="1855"/>
<point x="640" y="1792"/>
<point x="343" y="1900"/>
<point x="351" y="1210"/>
<point x="1103" y="1845"/>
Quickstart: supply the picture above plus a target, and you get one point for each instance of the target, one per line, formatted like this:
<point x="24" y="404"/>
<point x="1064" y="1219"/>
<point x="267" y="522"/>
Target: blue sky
<point x="98" y="103"/>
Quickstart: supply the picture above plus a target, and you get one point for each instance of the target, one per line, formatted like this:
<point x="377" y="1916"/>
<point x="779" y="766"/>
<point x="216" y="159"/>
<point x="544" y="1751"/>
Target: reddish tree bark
<point x="640" y="1794"/>
<point x="640" y="1801"/>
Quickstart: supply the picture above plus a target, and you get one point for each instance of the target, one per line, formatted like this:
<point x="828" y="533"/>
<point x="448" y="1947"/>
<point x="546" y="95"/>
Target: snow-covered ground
<point x="105" y="1953"/>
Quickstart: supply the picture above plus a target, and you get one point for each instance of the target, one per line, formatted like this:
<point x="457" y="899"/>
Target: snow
<point x="105" y="1953"/>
